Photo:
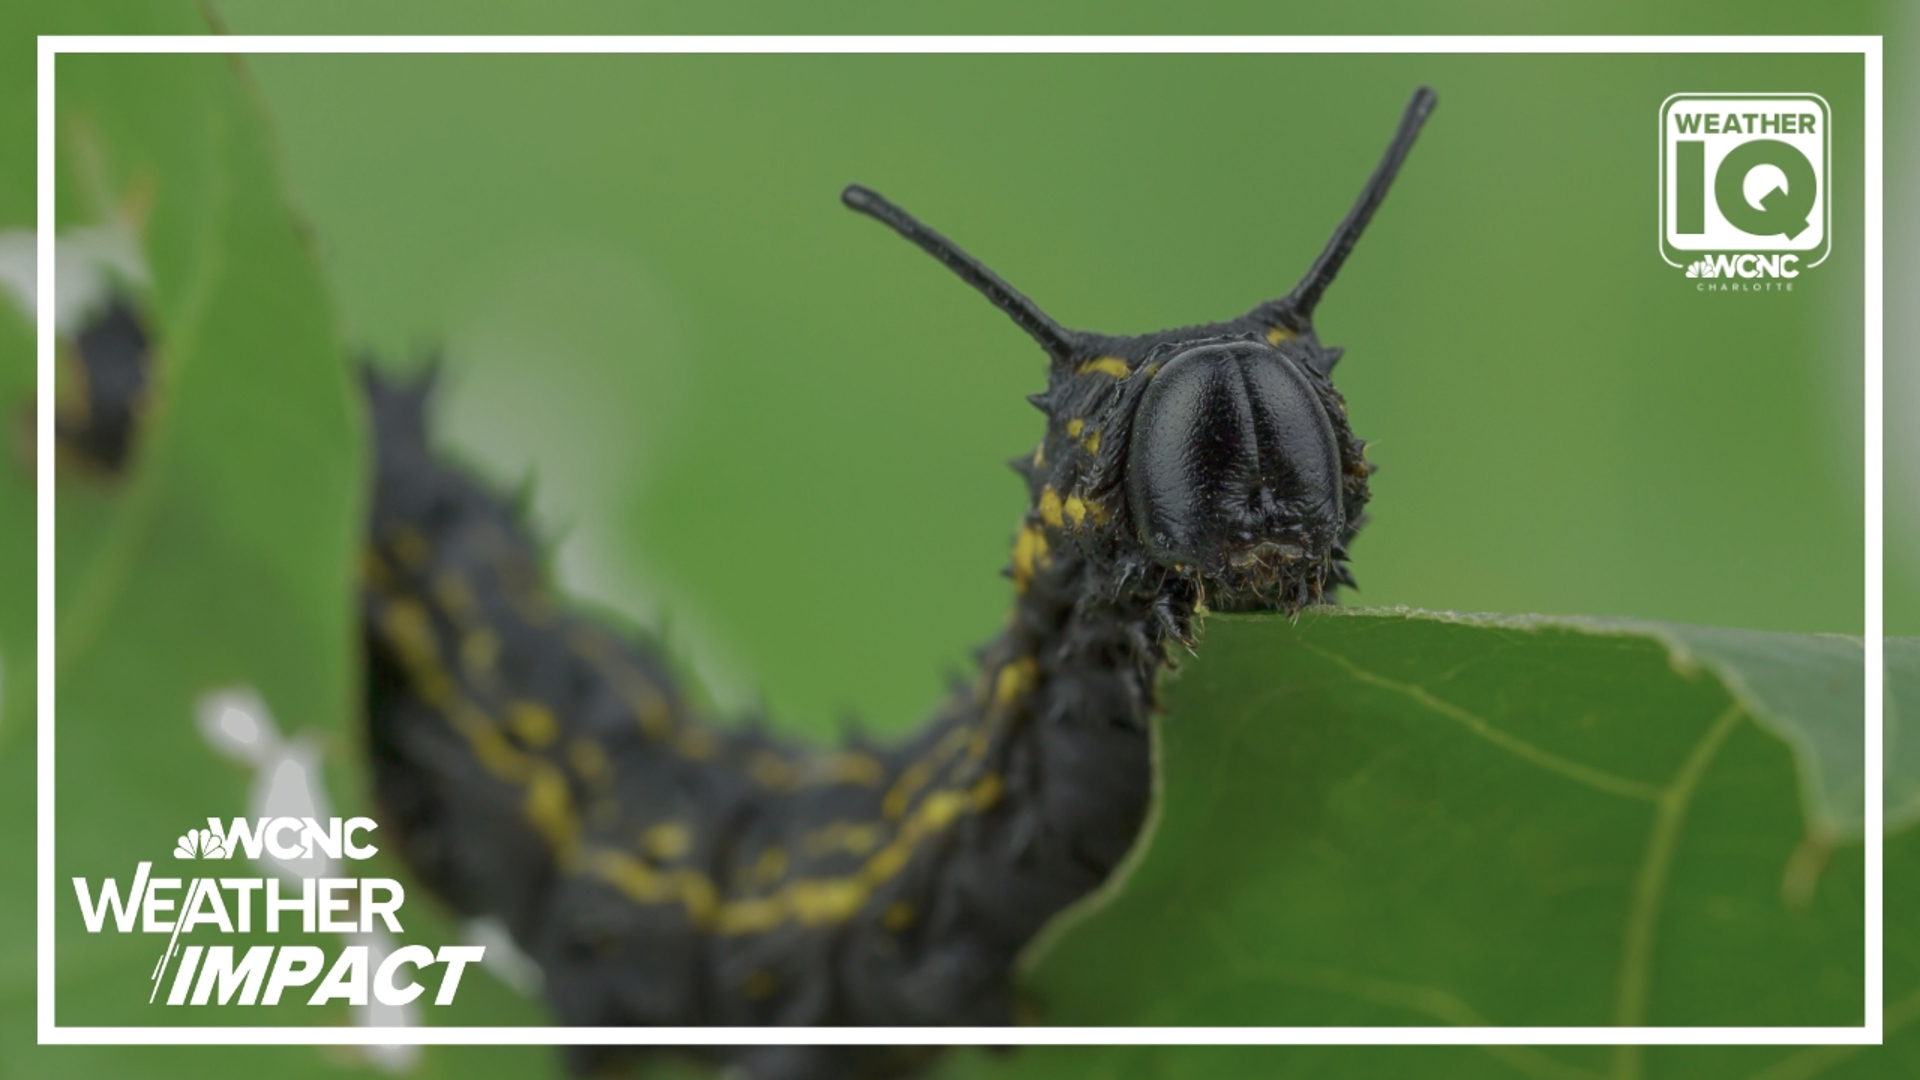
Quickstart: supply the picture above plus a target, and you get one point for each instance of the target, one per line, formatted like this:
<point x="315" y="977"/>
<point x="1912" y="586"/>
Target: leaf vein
<point x="1650" y="885"/>
<point x="1593" y="777"/>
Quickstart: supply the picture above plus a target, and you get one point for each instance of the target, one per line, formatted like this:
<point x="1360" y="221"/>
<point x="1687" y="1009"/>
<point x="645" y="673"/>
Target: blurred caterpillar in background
<point x="544" y="770"/>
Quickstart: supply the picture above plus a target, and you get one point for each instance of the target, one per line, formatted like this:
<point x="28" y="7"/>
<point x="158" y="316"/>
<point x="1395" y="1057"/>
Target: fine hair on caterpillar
<point x="536" y="767"/>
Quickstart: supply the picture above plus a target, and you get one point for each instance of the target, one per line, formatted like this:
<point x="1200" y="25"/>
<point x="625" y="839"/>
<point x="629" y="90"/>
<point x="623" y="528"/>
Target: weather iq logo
<point x="1743" y="188"/>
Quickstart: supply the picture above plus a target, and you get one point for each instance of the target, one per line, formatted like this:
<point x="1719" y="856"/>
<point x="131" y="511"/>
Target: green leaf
<point x="1396" y="817"/>
<point x="227" y="555"/>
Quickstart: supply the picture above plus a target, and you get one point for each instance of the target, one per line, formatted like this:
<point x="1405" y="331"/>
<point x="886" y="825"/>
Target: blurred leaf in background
<point x="226" y="554"/>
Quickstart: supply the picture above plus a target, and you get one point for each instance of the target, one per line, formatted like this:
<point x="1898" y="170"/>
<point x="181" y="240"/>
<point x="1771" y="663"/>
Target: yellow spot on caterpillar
<point x="1015" y="680"/>
<point x="1074" y="427"/>
<point x="890" y="859"/>
<point x="864" y="770"/>
<point x="410" y="546"/>
<point x="831" y="900"/>
<point x="1106" y="365"/>
<point x="478" y="650"/>
<point x="939" y="811"/>
<point x="761" y="985"/>
<point x="1076" y="508"/>
<point x="898" y="916"/>
<point x="1092" y="443"/>
<point x="855" y="839"/>
<point x="1029" y="552"/>
<point x="434" y="686"/>
<point x="532" y="723"/>
<point x="1050" y="506"/>
<point x="589" y="761"/>
<point x="1279" y="334"/>
<point x="549" y="806"/>
<point x="1040" y="455"/>
<point x="496" y="754"/>
<point x="912" y="779"/>
<point x="771" y="866"/>
<point x="666" y="842"/>
<point x="697" y="743"/>
<point x="751" y="916"/>
<point x="455" y="595"/>
<point x="646" y="885"/>
<point x="409" y="628"/>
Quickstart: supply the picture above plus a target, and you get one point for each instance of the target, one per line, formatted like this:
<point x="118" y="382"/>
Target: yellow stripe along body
<point x="541" y="768"/>
<point x="515" y="741"/>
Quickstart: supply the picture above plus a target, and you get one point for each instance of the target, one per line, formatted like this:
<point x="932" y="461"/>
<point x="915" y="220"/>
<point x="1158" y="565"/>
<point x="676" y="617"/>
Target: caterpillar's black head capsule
<point x="1233" y="465"/>
<point x="1219" y="452"/>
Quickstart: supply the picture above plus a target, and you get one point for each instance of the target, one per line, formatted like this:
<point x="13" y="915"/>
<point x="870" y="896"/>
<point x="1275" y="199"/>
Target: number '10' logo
<point x="1744" y="173"/>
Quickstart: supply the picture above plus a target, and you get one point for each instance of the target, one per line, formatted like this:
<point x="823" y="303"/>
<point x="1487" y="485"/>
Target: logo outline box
<point x="1819" y="254"/>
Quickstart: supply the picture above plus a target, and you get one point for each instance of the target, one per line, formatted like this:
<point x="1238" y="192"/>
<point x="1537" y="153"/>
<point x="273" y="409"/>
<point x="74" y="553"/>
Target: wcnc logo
<point x="1743" y="187"/>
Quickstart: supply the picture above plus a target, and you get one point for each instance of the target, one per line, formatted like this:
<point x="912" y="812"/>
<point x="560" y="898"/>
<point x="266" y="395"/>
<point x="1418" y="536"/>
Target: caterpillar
<point x="663" y="869"/>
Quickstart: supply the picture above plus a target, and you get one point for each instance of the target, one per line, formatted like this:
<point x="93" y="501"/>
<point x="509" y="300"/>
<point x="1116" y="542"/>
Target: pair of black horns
<point x="1294" y="309"/>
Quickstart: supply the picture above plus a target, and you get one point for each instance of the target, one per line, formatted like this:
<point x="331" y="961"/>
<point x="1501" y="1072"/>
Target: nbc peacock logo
<point x="200" y="844"/>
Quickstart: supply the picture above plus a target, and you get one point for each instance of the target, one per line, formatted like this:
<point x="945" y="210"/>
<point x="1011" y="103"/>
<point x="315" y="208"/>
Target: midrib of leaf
<point x="1650" y="885"/>
<point x="105" y="579"/>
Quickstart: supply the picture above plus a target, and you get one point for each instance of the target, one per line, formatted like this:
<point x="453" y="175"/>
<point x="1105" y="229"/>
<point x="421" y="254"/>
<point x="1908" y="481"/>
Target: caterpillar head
<point x="1219" y="455"/>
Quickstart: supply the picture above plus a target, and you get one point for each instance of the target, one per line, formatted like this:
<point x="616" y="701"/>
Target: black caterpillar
<point x="544" y="770"/>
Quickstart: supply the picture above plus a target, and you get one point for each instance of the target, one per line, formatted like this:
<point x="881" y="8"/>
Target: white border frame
<point x="1870" y="1033"/>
